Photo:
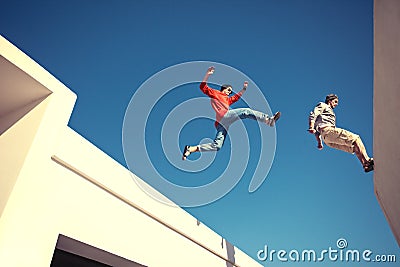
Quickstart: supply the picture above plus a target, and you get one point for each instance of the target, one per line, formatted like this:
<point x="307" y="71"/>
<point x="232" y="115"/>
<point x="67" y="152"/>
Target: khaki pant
<point x="339" y="138"/>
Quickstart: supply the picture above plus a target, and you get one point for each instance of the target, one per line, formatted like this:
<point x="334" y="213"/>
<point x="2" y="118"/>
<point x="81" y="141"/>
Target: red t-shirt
<point x="220" y="102"/>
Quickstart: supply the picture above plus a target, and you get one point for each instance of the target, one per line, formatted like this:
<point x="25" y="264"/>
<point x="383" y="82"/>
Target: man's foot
<point x="369" y="166"/>
<point x="273" y="119"/>
<point x="320" y="146"/>
<point x="186" y="152"/>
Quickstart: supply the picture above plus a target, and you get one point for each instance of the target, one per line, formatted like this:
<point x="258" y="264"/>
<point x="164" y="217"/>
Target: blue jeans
<point x="230" y="117"/>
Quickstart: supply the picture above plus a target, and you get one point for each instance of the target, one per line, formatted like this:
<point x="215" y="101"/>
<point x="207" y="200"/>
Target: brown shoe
<point x="273" y="119"/>
<point x="369" y="166"/>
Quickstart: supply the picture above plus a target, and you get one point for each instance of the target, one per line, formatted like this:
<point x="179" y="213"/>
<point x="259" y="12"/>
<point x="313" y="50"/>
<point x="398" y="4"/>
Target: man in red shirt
<point x="220" y="102"/>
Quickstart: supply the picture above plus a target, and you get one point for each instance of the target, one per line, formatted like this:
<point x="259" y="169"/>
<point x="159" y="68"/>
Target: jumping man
<point x="220" y="102"/>
<point x="322" y="123"/>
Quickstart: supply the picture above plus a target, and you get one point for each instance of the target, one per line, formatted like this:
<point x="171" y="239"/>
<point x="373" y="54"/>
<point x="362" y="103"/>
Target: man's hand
<point x="311" y="130"/>
<point x="210" y="70"/>
<point x="245" y="84"/>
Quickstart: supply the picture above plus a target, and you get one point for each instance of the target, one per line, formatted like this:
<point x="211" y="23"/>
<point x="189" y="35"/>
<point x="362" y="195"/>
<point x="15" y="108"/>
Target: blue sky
<point x="296" y="52"/>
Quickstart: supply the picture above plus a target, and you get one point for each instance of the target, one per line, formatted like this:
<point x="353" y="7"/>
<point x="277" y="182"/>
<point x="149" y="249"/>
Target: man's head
<point x="226" y="89"/>
<point x="332" y="100"/>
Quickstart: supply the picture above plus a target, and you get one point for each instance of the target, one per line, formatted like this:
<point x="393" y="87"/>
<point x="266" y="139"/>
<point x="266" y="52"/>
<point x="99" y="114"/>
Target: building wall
<point x="64" y="185"/>
<point x="386" y="109"/>
<point x="15" y="144"/>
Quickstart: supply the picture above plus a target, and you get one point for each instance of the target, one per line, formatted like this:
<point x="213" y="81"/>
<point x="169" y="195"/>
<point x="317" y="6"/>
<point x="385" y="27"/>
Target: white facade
<point x="59" y="190"/>
<point x="386" y="110"/>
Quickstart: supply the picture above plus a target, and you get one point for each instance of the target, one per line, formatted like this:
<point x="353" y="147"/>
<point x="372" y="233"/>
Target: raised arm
<point x="203" y="85"/>
<point x="245" y="84"/>
<point x="210" y="71"/>
<point x="237" y="96"/>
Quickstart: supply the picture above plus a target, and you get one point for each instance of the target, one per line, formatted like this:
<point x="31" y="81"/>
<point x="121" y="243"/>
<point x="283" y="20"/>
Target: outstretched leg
<point x="214" y="146"/>
<point x="230" y="117"/>
<point x="246" y="113"/>
<point x="347" y="141"/>
<point x="361" y="153"/>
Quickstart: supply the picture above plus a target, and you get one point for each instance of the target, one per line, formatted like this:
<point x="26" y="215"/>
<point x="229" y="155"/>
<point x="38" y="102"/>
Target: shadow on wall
<point x="230" y="251"/>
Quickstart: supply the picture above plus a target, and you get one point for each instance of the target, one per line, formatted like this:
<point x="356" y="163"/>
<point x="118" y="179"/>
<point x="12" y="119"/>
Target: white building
<point x="387" y="109"/>
<point x="62" y="196"/>
<point x="59" y="193"/>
